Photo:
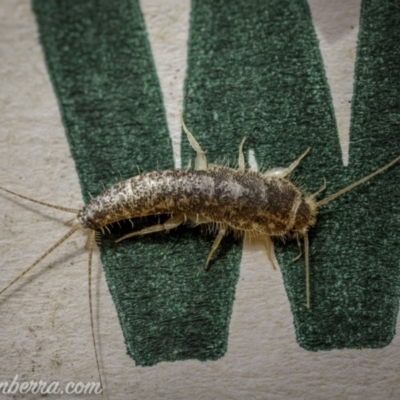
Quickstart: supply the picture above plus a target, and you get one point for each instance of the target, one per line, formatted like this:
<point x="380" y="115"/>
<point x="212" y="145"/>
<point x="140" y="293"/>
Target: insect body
<point x="244" y="201"/>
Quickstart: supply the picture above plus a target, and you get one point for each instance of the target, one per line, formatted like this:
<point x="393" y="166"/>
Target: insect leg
<point x="300" y="251"/>
<point x="172" y="223"/>
<point x="307" y="261"/>
<point x="281" y="172"/>
<point x="221" y="233"/>
<point x="241" y="162"/>
<point x="197" y="219"/>
<point x="269" y="246"/>
<point x="201" y="160"/>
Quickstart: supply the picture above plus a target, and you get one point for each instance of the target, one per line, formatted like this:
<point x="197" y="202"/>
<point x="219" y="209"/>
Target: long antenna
<point x="45" y="254"/>
<point x="91" y="246"/>
<point x="355" y="184"/>
<point x="66" y="209"/>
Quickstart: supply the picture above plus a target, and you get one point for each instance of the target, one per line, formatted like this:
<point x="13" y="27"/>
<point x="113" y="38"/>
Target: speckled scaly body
<point x="243" y="200"/>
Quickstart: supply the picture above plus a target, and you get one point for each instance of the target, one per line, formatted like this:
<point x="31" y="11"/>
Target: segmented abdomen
<point x="244" y="200"/>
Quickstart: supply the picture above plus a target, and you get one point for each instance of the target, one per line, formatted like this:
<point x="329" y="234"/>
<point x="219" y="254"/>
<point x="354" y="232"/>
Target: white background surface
<point x="45" y="329"/>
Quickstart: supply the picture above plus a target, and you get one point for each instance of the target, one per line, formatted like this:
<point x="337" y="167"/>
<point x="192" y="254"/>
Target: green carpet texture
<point x="255" y="70"/>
